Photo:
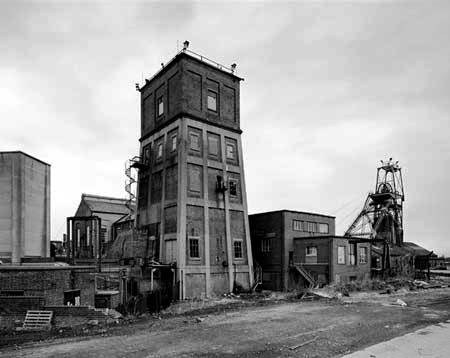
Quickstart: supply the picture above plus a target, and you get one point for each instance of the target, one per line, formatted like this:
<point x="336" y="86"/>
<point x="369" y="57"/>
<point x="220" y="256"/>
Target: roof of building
<point x="23" y="153"/>
<point x="415" y="249"/>
<point x="293" y="211"/>
<point x="196" y="57"/>
<point x="105" y="204"/>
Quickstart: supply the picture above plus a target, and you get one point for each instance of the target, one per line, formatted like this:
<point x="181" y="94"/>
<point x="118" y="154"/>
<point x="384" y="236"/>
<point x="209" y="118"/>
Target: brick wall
<point x="50" y="283"/>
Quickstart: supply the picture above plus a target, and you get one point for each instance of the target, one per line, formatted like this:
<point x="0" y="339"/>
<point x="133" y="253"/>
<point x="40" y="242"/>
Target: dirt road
<point x="288" y="329"/>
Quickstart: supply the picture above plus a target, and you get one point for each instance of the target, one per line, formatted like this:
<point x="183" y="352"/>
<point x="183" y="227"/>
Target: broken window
<point x="311" y="251"/>
<point x="237" y="248"/>
<point x="232" y="185"/>
<point x="194" y="252"/>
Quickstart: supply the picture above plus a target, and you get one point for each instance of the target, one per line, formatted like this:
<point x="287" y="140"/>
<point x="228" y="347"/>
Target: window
<point x="352" y="254"/>
<point x="213" y="145"/>
<point x="341" y="255"/>
<point x="194" y="252"/>
<point x="323" y="228"/>
<point x="363" y="255"/>
<point x="195" y="178"/>
<point x="173" y="147"/>
<point x="237" y="248"/>
<point x="230" y="151"/>
<point x="160" y="104"/>
<point x="159" y="151"/>
<point x="146" y="154"/>
<point x="265" y="245"/>
<point x="311" y="226"/>
<point x="297" y="225"/>
<point x="232" y="187"/>
<point x="311" y="251"/>
<point x="212" y="101"/>
<point x="194" y="141"/>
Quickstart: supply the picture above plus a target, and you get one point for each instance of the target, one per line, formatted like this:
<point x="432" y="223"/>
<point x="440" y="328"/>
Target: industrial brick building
<point x="95" y="225"/>
<point x="330" y="259"/>
<point x="191" y="192"/>
<point x="272" y="236"/>
<point x="24" y="207"/>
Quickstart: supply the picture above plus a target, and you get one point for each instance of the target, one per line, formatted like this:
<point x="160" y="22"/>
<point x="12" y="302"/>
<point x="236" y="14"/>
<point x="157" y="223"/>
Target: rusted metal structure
<point x="381" y="219"/>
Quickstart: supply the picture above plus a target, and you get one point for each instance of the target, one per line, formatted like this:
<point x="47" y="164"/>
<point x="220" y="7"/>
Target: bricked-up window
<point x="159" y="151"/>
<point x="232" y="187"/>
<point x="323" y="228"/>
<point x="311" y="251"/>
<point x="363" y="255"/>
<point x="265" y="245"/>
<point x="194" y="252"/>
<point x="214" y="146"/>
<point x="160" y="104"/>
<point x="341" y="255"/>
<point x="237" y="248"/>
<point x="297" y="225"/>
<point x="194" y="141"/>
<point x="195" y="178"/>
<point x="212" y="101"/>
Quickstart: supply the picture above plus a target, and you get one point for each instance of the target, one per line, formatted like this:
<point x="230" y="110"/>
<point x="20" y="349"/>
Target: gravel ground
<point x="261" y="328"/>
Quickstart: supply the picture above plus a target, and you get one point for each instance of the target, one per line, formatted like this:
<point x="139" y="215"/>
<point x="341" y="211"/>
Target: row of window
<point x="194" y="248"/>
<point x="311" y="251"/>
<point x="214" y="146"/>
<point x="309" y="226"/>
<point x="214" y="151"/>
<point x="212" y="101"/>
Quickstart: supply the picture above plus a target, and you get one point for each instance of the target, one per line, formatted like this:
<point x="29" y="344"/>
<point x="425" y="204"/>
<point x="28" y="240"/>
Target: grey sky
<point x="330" y="89"/>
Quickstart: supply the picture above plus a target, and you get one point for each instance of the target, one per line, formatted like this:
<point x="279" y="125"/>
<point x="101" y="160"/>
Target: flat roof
<point x="293" y="211"/>
<point x="199" y="59"/>
<point x="20" y="152"/>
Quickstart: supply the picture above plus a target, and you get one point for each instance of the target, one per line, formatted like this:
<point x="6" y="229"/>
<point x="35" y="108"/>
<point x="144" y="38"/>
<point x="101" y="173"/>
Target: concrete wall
<point x="24" y="207"/>
<point x="50" y="283"/>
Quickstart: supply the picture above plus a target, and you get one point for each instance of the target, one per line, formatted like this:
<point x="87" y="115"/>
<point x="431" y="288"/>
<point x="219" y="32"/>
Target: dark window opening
<point x="238" y="249"/>
<point x="232" y="185"/>
<point x="194" y="251"/>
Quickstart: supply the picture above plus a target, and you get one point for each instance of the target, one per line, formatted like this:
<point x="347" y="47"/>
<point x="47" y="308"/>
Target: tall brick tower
<point x="191" y="187"/>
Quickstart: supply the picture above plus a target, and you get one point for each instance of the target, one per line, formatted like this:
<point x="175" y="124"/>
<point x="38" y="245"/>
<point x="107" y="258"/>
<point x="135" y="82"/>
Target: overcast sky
<point x="330" y="89"/>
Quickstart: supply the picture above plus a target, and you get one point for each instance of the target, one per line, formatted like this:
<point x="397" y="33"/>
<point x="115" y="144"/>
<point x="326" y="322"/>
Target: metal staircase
<point x="305" y="274"/>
